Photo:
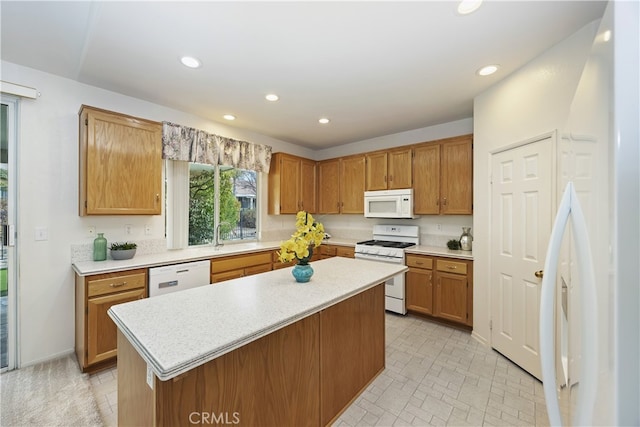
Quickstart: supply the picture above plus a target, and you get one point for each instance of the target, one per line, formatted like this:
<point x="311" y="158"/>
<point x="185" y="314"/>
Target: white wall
<point x="532" y="101"/>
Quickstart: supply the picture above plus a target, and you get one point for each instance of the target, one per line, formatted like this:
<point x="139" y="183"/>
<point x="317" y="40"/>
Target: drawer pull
<point x="419" y="262"/>
<point x="452" y="267"/>
<point x="117" y="285"/>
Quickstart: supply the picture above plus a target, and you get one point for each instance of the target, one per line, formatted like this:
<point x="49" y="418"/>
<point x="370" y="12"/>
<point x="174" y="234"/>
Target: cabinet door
<point x="457" y="177"/>
<point x="289" y="185"/>
<point x="308" y="186"/>
<point x="329" y="187"/>
<point x="451" y="297"/>
<point x="399" y="169"/>
<point x="352" y="185"/>
<point x="121" y="164"/>
<point x="419" y="283"/>
<point x="101" y="331"/>
<point x="345" y="252"/>
<point x="376" y="171"/>
<point x="426" y="179"/>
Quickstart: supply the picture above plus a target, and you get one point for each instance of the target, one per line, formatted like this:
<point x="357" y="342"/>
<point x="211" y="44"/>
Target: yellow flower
<point x="308" y="235"/>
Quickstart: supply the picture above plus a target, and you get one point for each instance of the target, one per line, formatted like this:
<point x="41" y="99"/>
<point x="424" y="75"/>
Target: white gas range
<point x="388" y="245"/>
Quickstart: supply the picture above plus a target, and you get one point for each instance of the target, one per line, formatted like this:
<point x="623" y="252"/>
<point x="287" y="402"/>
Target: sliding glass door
<point x="8" y="125"/>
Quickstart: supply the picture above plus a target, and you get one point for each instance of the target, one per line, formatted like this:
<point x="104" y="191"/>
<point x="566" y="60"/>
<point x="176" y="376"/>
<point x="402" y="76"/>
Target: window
<point x="232" y="203"/>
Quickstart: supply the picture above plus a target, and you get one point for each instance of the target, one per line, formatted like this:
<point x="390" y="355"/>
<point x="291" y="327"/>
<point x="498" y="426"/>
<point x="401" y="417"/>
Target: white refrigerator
<point x="590" y="297"/>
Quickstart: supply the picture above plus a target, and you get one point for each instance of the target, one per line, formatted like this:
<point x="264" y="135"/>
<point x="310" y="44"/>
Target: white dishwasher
<point x="178" y="277"/>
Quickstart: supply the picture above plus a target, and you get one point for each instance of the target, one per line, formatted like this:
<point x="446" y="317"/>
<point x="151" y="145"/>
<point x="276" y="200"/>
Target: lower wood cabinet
<point x="235" y="266"/>
<point x="96" y="334"/>
<point x="440" y="287"/>
<point x="328" y="251"/>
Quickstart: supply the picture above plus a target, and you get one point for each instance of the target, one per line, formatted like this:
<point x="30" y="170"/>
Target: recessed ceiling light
<point x="606" y="36"/>
<point x="229" y="117"/>
<point x="488" y="70"/>
<point x="272" y="97"/>
<point x="190" y="61"/>
<point x="323" y="120"/>
<point x="468" y="6"/>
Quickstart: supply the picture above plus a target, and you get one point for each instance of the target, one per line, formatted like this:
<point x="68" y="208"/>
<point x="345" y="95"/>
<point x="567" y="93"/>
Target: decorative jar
<point x="302" y="272"/>
<point x="100" y="248"/>
<point x="465" y="239"/>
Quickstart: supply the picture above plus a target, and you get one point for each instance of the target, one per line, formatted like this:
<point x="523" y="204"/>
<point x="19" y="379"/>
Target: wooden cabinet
<point x="440" y="287"/>
<point x="96" y="334"/>
<point x="329" y="186"/>
<point x="453" y="291"/>
<point x="419" y="284"/>
<point x="235" y="266"/>
<point x="388" y="170"/>
<point x="443" y="177"/>
<point x="292" y="184"/>
<point x="352" y="183"/>
<point x="341" y="185"/>
<point x="120" y="164"/>
<point x="329" y="251"/>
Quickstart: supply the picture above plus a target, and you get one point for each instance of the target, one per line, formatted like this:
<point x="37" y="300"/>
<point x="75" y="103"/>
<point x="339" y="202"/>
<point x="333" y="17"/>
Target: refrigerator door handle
<point x="569" y="206"/>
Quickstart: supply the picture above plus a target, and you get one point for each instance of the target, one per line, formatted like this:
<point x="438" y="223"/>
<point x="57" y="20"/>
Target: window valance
<point x="197" y="146"/>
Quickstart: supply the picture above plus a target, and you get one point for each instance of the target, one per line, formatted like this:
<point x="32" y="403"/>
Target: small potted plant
<point x="125" y="250"/>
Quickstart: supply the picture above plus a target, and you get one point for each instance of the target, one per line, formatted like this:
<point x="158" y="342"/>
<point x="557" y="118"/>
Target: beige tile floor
<point x="435" y="375"/>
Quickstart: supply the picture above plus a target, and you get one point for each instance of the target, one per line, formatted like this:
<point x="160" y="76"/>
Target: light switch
<point x="42" y="233"/>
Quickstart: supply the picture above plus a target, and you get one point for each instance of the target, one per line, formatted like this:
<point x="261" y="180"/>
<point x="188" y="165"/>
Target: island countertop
<point x="177" y="332"/>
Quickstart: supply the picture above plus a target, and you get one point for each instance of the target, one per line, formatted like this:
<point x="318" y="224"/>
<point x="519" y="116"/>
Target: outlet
<point x="91" y="231"/>
<point x="147" y="229"/>
<point x="127" y="229"/>
<point x="439" y="227"/>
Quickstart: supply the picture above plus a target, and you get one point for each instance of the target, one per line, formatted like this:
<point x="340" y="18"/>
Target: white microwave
<point x="389" y="204"/>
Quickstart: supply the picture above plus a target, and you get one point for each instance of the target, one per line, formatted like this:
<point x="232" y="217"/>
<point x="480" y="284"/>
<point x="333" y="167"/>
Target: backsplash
<point x="84" y="251"/>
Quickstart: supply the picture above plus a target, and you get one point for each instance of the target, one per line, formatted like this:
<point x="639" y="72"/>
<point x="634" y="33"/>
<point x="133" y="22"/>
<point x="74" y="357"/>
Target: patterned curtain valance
<point x="192" y="145"/>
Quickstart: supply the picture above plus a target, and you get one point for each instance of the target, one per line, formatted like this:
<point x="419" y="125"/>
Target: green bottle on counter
<point x="100" y="248"/>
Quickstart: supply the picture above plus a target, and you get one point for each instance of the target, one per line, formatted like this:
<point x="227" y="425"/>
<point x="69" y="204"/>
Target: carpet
<point x="53" y="393"/>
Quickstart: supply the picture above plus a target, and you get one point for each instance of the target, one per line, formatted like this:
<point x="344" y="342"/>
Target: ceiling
<point x="372" y="68"/>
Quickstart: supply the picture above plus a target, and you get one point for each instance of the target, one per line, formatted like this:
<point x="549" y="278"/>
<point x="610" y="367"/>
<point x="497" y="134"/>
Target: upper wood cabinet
<point x="329" y="183"/>
<point x="443" y="177"/>
<point x="120" y="164"/>
<point x="388" y="170"/>
<point x="352" y="184"/>
<point x="292" y="184"/>
<point x="342" y="183"/>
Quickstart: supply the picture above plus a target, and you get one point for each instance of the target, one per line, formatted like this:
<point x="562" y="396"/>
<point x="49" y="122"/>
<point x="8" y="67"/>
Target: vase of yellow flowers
<point x="308" y="235"/>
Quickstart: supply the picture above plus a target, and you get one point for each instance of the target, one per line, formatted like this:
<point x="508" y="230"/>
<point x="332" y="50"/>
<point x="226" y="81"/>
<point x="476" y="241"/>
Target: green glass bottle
<point x="100" y="248"/>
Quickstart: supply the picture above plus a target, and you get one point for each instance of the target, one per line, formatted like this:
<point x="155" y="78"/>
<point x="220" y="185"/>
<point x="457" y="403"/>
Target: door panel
<point x="521" y="225"/>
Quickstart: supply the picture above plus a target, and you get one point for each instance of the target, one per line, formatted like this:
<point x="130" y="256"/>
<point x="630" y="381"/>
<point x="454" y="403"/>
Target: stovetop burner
<point x="386" y="244"/>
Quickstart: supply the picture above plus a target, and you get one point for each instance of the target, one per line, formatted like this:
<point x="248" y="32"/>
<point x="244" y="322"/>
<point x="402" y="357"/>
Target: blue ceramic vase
<point x="302" y="272"/>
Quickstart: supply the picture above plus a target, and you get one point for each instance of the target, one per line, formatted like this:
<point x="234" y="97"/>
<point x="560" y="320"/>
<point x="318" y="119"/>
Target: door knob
<point x="539" y="274"/>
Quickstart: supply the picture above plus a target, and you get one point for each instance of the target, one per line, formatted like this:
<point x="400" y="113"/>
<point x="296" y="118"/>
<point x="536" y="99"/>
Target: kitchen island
<point x="260" y="350"/>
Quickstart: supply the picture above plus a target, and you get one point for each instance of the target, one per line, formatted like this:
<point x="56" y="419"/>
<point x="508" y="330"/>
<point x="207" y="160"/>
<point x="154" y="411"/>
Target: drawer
<point x="457" y="267"/>
<point x="345" y="252"/>
<point x="116" y="282"/>
<point x="257" y="269"/>
<point x="328" y="250"/>
<point x="418" y="261"/>
<point x="240" y="261"/>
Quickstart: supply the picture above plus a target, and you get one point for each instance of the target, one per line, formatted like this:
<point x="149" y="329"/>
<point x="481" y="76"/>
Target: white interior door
<point x="520" y="227"/>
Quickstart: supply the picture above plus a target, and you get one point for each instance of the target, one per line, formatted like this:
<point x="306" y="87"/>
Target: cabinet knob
<point x="157" y="197"/>
<point x="444" y="201"/>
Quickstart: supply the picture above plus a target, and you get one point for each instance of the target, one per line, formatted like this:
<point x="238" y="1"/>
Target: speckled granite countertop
<point x="177" y="332"/>
<point x="438" y="251"/>
<point x="85" y="268"/>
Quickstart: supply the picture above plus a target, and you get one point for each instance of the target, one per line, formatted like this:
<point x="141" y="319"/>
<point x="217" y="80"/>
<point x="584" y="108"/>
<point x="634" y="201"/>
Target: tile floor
<point x="435" y="375"/>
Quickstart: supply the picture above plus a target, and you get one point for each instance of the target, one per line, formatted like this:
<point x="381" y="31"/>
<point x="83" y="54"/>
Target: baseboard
<point x="482" y="340"/>
<point x="64" y="353"/>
